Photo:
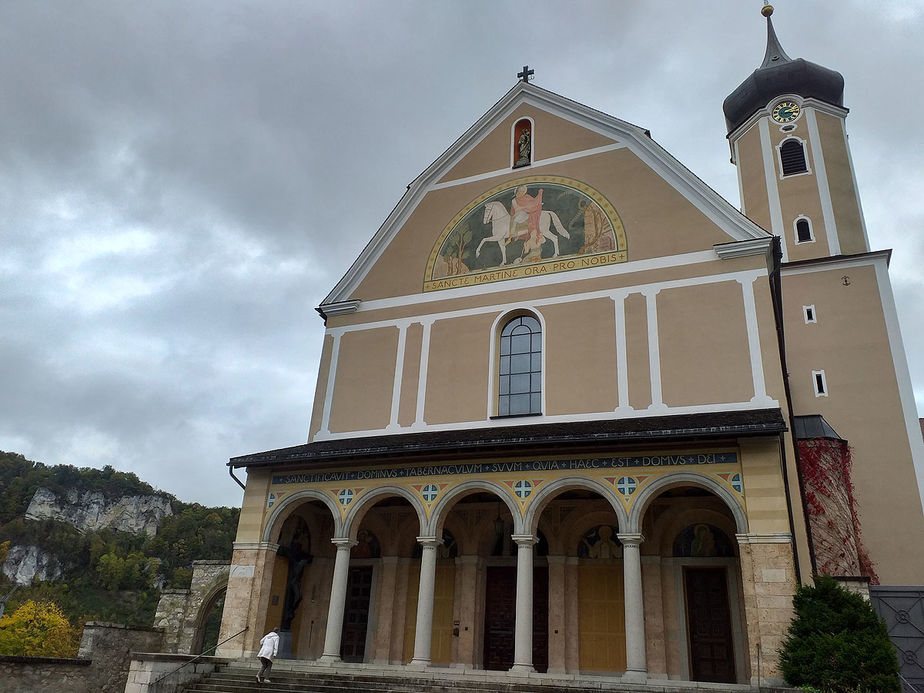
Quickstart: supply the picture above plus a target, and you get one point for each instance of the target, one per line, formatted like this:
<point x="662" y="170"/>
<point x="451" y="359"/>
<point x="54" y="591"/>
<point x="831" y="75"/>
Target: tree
<point x="837" y="643"/>
<point x="37" y="629"/>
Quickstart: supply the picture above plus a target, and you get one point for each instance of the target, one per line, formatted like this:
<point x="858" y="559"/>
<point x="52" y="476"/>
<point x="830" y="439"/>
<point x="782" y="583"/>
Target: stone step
<point x="288" y="677"/>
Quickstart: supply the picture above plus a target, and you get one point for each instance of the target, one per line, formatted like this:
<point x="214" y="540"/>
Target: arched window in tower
<point x="523" y="143"/>
<point x="520" y="367"/>
<point x="792" y="157"/>
<point x="804" y="230"/>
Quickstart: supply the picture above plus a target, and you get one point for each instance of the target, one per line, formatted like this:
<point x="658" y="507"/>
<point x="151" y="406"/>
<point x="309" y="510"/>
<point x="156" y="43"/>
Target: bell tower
<point x="788" y="138"/>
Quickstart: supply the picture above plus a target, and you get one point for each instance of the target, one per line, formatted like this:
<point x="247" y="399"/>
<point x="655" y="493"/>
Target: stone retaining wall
<point x="101" y="665"/>
<point x="33" y="674"/>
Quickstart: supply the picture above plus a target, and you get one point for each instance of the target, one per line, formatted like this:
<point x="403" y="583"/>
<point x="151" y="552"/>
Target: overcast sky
<point x="181" y="183"/>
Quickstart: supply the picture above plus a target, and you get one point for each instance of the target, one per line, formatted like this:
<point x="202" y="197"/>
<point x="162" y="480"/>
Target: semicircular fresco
<point x="526" y="227"/>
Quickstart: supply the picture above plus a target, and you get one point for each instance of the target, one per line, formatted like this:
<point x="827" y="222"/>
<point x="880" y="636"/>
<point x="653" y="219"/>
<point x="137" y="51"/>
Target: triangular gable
<point x="446" y="170"/>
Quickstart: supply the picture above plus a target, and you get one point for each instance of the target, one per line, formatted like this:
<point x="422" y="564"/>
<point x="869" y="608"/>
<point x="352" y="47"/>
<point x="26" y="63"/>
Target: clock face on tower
<point x="785" y="111"/>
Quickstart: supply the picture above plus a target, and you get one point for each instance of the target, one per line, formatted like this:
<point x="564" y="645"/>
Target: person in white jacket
<point x="269" y="646"/>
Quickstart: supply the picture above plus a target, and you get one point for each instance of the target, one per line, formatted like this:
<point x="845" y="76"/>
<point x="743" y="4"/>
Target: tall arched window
<point x="792" y="157"/>
<point x="520" y="367"/>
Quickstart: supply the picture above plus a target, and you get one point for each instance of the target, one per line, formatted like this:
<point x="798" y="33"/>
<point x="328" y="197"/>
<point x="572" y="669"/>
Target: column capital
<point x="525" y="539"/>
<point x="255" y="546"/>
<point x="430" y="542"/>
<point x="630" y="539"/>
<point x="343" y="543"/>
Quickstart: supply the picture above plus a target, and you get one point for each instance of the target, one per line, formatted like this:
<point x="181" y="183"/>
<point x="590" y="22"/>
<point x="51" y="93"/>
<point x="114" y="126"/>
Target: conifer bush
<point x="837" y="643"/>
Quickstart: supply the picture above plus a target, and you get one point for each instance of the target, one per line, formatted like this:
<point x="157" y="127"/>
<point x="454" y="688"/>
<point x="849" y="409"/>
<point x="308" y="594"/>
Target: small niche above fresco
<point x="527" y="227"/>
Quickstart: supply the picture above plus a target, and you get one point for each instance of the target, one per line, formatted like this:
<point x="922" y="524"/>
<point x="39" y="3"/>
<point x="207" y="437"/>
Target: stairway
<point x="240" y="677"/>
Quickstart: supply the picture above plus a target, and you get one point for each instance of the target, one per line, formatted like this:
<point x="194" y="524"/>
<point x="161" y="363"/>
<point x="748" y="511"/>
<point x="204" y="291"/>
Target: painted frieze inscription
<point x="526" y="227"/>
<point x="480" y="468"/>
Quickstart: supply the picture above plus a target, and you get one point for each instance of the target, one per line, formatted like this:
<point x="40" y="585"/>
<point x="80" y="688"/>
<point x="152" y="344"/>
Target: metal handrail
<point x="201" y="654"/>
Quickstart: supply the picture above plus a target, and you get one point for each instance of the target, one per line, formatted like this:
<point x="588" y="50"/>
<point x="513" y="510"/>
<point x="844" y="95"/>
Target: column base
<point x="522" y="669"/>
<point x="635" y="677"/>
<point x="329" y="659"/>
<point x="419" y="663"/>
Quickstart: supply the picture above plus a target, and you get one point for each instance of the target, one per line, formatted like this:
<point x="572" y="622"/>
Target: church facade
<point x="578" y="414"/>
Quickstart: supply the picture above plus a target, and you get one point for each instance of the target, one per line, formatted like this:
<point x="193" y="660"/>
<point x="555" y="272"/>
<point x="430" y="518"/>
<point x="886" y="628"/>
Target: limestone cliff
<point x="27" y="562"/>
<point x="91" y="511"/>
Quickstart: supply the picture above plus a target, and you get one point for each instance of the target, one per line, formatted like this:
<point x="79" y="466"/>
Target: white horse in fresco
<point x="496" y="214"/>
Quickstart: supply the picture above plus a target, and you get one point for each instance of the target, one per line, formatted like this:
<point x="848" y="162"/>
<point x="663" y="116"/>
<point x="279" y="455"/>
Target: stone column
<point x="572" y="616"/>
<point x="381" y="641"/>
<point x="636" y="666"/>
<point x="249" y="583"/>
<point x="337" y="599"/>
<point x="557" y="606"/>
<point x="423" y="634"/>
<point x="523" y="630"/>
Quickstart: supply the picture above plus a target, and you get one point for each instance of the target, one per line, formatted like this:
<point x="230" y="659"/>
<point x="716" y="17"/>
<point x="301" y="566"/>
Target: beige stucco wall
<point x="457" y="376"/>
<point x="844" y="195"/>
<point x="704" y="345"/>
<point x="850" y="343"/>
<point x="364" y="380"/>
<point x="580" y="357"/>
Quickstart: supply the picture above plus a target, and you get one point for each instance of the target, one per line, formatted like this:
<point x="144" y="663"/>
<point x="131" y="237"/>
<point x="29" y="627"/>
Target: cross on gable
<point x="526" y="74"/>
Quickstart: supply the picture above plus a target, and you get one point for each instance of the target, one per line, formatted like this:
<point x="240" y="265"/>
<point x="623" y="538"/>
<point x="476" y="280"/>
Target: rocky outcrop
<point x="92" y="511"/>
<point x="24" y="563"/>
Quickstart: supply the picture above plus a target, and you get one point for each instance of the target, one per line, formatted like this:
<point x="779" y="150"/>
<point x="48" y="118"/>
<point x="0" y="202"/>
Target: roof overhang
<point x="538" y="439"/>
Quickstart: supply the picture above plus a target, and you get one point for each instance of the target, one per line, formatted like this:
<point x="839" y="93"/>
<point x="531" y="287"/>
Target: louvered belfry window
<point x="792" y="157"/>
<point x="520" y="381"/>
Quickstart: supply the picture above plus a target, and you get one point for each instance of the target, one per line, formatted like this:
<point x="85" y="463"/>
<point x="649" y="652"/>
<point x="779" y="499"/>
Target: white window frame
<point x="805" y="154"/>
<point x="823" y="391"/>
<point x="810" y="314"/>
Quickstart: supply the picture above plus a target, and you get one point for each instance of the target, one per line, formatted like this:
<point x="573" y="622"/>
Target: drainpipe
<point x="777" y="295"/>
<point x="231" y="472"/>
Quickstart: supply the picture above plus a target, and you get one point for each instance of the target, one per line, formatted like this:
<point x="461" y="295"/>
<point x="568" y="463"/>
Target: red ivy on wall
<point x="832" y="509"/>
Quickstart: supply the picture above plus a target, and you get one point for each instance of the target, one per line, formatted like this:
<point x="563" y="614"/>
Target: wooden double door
<point x="500" y="617"/>
<point x="709" y="621"/>
<point x="356" y="614"/>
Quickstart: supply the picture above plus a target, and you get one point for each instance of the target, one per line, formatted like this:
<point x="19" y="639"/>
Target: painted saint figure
<point x="525" y="211"/>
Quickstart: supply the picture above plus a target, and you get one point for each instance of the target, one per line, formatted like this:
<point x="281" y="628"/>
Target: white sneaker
<point x="266" y="681"/>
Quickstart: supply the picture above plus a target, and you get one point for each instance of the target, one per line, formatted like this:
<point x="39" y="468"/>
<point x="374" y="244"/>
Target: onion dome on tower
<point x="779" y="74"/>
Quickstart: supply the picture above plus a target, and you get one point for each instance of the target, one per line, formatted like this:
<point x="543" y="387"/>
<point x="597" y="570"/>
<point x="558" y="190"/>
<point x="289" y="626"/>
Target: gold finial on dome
<point x="767" y="9"/>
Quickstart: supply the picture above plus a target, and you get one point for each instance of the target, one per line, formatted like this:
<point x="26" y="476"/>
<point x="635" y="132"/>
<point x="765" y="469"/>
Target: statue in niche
<point x="524" y="148"/>
<point x="297" y="551"/>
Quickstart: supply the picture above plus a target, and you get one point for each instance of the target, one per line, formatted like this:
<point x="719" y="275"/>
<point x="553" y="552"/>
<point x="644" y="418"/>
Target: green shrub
<point x="837" y="643"/>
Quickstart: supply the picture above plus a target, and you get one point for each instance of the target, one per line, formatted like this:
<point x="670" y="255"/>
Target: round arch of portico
<point x="358" y="511"/>
<point x="652" y="490"/>
<point x="284" y="508"/>
<point x="547" y="493"/>
<point x="434" y="527"/>
<point x="218" y="586"/>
